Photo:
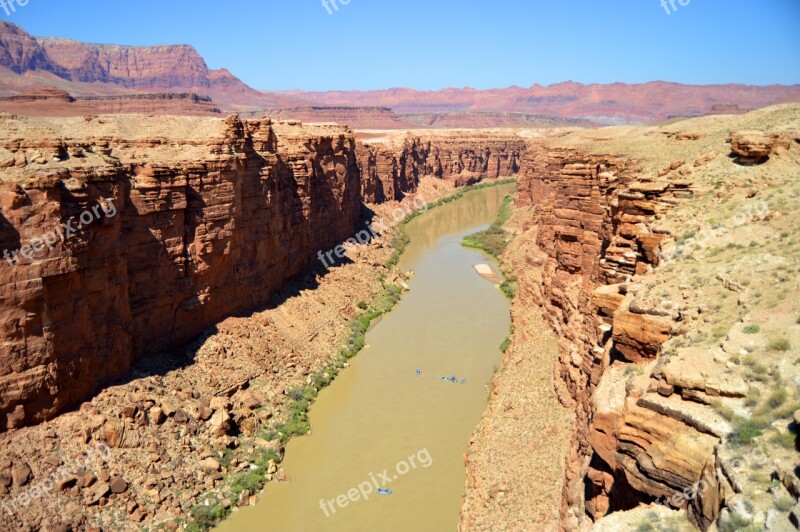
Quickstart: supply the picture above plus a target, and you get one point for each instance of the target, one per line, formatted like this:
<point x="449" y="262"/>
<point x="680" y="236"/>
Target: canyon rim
<point x="233" y="292"/>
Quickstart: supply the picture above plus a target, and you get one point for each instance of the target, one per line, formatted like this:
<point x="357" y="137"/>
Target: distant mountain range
<point x="28" y="64"/>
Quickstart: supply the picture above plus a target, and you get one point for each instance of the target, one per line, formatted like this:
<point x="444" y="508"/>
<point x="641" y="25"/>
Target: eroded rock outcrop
<point x="752" y="146"/>
<point x="595" y="220"/>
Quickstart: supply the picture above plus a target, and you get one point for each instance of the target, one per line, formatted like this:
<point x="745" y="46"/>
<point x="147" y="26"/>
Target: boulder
<point x="210" y="465"/>
<point x="96" y="493"/>
<point x="754" y="146"/>
<point x="118" y="485"/>
<point x="638" y="337"/>
<point x="156" y="416"/>
<point x="219" y="424"/>
<point x="21" y="474"/>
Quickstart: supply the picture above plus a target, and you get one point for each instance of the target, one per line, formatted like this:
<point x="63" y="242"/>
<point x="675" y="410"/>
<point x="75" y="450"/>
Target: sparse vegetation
<point x="752" y="329"/>
<point x="723" y="410"/>
<point x="777" y="398"/>
<point x="779" y="344"/>
<point x="207" y="516"/>
<point x="746" y="430"/>
<point x="784" y="440"/>
<point x="753" y="397"/>
<point x="784" y="503"/>
<point x="505" y="344"/>
<point x="494" y="239"/>
<point x="734" y="522"/>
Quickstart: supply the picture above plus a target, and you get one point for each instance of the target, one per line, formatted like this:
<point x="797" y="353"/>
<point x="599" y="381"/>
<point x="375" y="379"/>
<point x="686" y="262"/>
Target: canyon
<point x="197" y="307"/>
<point x="200" y="203"/>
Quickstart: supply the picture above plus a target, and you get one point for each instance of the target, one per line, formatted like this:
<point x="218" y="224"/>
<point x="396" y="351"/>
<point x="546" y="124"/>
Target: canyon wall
<point x="48" y="101"/>
<point x="354" y="117"/>
<point x="639" y="436"/>
<point x="393" y="166"/>
<point x="209" y="218"/>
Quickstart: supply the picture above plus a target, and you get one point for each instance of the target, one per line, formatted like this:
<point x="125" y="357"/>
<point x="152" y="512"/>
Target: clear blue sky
<point x="432" y="44"/>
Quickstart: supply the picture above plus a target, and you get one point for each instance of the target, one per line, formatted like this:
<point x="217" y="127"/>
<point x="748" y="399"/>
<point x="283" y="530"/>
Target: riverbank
<point x="516" y="459"/>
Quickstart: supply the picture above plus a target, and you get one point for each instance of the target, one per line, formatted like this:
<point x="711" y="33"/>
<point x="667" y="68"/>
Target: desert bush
<point x="780" y="345"/>
<point x="784" y="503"/>
<point x="746" y="430"/>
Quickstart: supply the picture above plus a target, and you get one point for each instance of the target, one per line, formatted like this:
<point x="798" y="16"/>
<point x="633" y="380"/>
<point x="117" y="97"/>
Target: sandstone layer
<point x="48" y="101"/>
<point x="393" y="163"/>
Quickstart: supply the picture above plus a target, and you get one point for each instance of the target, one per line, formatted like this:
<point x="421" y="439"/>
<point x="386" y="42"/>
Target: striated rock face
<point x="106" y="69"/>
<point x="594" y="221"/>
<point x="48" y="101"/>
<point x="209" y="218"/>
<point x="135" y="67"/>
<point x="20" y="52"/>
<point x="383" y="174"/>
<point x="392" y="166"/>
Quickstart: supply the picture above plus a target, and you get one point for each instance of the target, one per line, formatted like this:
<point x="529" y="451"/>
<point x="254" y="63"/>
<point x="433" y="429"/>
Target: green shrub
<point x="752" y="329"/>
<point x="687" y="236"/>
<point x="509" y="287"/>
<point x="252" y="481"/>
<point x="719" y="332"/>
<point x="206" y="517"/>
<point x="505" y="344"/>
<point x="746" y="430"/>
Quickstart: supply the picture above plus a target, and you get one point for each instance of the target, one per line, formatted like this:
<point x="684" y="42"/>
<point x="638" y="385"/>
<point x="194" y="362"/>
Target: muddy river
<point x="389" y="420"/>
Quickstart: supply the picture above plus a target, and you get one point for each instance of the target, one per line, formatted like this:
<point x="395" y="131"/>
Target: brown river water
<point x="380" y="424"/>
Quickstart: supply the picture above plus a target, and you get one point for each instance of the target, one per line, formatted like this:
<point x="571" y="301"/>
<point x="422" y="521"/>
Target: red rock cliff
<point x="596" y="229"/>
<point x="211" y="217"/>
<point x="392" y="165"/>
